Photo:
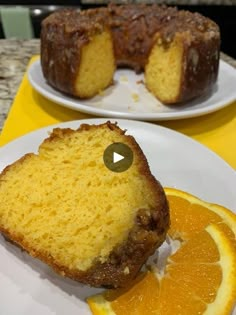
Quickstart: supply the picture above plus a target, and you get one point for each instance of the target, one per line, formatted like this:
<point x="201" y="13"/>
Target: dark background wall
<point x="225" y="17"/>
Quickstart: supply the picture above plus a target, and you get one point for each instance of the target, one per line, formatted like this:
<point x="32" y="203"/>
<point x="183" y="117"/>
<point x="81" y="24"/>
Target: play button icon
<point x="118" y="157"/>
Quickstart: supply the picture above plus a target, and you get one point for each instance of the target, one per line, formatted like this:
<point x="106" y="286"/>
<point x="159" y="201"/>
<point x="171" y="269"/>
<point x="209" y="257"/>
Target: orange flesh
<point x="188" y="218"/>
<point x="196" y="277"/>
<point x="191" y="280"/>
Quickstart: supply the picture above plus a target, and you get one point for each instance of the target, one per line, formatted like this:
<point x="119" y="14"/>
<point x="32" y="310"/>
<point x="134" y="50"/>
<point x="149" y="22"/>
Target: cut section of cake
<point x="77" y="53"/>
<point x="65" y="207"/>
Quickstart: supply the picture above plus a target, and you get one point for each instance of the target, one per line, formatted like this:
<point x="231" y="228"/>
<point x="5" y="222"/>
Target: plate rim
<point x="126" y="115"/>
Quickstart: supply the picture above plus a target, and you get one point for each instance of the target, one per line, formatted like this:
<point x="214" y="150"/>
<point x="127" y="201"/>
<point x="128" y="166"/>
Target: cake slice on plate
<point x="65" y="207"/>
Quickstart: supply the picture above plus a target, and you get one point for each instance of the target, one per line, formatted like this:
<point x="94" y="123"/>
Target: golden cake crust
<point x="125" y="260"/>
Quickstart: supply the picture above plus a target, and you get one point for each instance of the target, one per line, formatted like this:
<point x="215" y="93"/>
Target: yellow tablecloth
<point x="31" y="111"/>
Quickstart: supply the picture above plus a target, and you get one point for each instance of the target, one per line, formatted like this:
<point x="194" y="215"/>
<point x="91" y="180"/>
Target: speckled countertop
<point x="14" y="57"/>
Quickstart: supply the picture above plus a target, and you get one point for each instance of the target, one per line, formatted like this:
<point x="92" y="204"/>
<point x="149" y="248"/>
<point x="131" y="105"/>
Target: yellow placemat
<point x="31" y="111"/>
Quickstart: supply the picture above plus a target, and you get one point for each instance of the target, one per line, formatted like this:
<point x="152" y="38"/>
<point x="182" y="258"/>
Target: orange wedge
<point x="199" y="278"/>
<point x="190" y="214"/>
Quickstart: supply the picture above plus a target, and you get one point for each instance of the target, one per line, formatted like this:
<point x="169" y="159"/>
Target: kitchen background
<point x="221" y="11"/>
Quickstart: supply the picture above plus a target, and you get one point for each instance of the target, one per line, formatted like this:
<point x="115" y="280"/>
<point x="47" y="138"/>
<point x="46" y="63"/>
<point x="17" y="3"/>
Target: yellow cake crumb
<point x="135" y="97"/>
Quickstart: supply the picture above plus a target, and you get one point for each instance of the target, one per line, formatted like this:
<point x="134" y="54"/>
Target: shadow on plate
<point x="189" y="105"/>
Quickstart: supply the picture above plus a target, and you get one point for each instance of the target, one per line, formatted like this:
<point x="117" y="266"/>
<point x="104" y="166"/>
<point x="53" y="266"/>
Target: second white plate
<point x="128" y="97"/>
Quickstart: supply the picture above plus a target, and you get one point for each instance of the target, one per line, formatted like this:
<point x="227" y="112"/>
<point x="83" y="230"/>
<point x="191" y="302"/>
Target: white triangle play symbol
<point x="117" y="157"/>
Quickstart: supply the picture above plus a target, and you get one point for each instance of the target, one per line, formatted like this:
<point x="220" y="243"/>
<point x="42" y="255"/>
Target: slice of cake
<point x="65" y="207"/>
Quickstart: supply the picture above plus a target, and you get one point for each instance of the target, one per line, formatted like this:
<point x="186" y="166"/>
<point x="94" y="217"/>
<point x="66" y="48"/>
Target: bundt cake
<point x="177" y="50"/>
<point x="65" y="207"/>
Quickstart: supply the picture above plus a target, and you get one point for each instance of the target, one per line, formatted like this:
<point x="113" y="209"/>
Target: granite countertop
<point x="14" y="57"/>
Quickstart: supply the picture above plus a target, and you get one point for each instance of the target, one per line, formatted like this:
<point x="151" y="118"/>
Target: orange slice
<point x="200" y="278"/>
<point x="189" y="215"/>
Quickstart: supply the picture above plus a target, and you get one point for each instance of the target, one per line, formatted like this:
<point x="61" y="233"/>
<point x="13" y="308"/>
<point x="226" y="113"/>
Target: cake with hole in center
<point x="177" y="50"/>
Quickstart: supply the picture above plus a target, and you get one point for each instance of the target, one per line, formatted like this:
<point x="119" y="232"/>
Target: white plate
<point x="28" y="286"/>
<point x="128" y="99"/>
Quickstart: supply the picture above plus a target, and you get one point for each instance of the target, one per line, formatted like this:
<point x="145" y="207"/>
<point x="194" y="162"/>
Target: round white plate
<point x="128" y="98"/>
<point x="28" y="286"/>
